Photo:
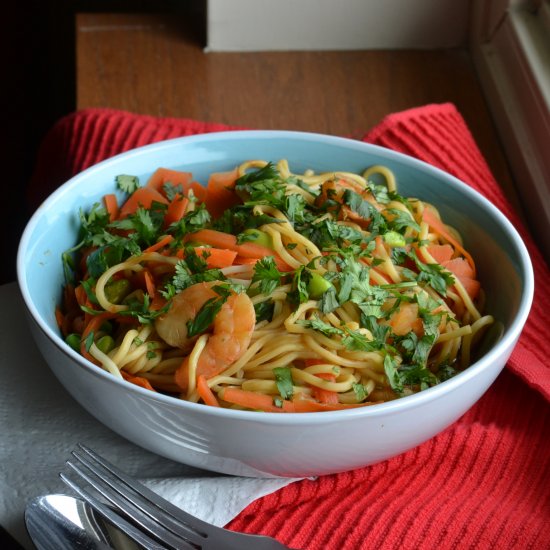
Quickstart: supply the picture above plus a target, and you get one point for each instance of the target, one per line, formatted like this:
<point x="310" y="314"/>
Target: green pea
<point x="73" y="340"/>
<point x="116" y="291"/>
<point x="258" y="237"/>
<point x="317" y="286"/>
<point x="393" y="238"/>
<point x="105" y="343"/>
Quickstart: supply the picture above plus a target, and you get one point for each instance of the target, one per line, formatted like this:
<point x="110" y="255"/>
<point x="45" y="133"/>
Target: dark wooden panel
<point x="155" y="64"/>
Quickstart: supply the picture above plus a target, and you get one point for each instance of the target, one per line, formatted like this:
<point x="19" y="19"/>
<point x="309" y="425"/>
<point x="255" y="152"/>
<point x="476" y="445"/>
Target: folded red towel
<point x="485" y="481"/>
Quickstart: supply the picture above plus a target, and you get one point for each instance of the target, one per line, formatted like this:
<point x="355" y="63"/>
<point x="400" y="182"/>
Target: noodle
<point x="323" y="291"/>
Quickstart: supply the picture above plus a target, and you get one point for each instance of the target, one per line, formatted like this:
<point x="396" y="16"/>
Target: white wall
<point x="260" y="25"/>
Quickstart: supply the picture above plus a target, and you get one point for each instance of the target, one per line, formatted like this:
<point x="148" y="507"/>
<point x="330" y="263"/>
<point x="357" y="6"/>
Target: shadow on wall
<point x="38" y="46"/>
<point x="38" y="49"/>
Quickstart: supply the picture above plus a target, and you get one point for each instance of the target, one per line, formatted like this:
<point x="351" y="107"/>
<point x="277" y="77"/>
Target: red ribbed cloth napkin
<point x="482" y="483"/>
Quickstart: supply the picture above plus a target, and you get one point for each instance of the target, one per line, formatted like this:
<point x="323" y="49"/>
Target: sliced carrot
<point x="142" y="197"/>
<point x="199" y="191"/>
<point x="440" y="252"/>
<point x="263" y="402"/>
<point x="166" y="175"/>
<point x="206" y="394"/>
<point x="59" y="318"/>
<point x="138" y="381"/>
<point x="157" y="300"/>
<point x="459" y="267"/>
<point x="162" y="176"/>
<point x="406" y="319"/>
<point x="80" y="295"/>
<point x="216" y="257"/>
<point x="307" y="405"/>
<point x="253" y="400"/>
<point x="111" y="205"/>
<point x="322" y="395"/>
<point x="471" y="286"/>
<point x="239" y="260"/>
<point x="463" y="271"/>
<point x="220" y="194"/>
<point x="219" y="239"/>
<point x="181" y="375"/>
<point x="176" y="209"/>
<point x="149" y="283"/>
<point x="161" y="243"/>
<point x="435" y="223"/>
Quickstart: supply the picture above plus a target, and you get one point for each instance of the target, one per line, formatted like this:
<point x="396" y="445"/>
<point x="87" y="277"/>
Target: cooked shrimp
<point x="172" y="326"/>
<point x="231" y="331"/>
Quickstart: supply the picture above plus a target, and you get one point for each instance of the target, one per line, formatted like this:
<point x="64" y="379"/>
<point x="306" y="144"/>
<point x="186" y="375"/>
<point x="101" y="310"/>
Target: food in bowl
<point x="253" y="443"/>
<point x="273" y="291"/>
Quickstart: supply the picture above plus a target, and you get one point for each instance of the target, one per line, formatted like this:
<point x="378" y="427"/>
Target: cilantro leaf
<point x="283" y="379"/>
<point x="267" y="274"/>
<point x="171" y="191"/>
<point x="127" y="183"/>
<point x="299" y="294"/>
<point x="435" y="275"/>
<point x="401" y="220"/>
<point x="366" y="210"/>
<point x="205" y="316"/>
<point x="360" y="393"/>
<point x="264" y="310"/>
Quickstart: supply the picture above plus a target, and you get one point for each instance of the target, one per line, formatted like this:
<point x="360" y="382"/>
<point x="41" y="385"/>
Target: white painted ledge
<point x="514" y="69"/>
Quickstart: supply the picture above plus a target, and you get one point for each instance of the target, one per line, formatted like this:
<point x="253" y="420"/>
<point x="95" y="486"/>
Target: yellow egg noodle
<point x="272" y="291"/>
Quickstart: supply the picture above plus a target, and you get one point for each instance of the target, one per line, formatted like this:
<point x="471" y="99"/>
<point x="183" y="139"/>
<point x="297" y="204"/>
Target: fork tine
<point x="167" y="523"/>
<point x="130" y="530"/>
<point x="177" y="519"/>
<point x="128" y="502"/>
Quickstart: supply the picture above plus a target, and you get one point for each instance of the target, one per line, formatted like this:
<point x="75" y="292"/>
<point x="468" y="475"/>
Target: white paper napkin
<point x="40" y="424"/>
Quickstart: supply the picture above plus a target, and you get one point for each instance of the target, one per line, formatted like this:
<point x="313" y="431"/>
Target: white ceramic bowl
<point x="267" y="444"/>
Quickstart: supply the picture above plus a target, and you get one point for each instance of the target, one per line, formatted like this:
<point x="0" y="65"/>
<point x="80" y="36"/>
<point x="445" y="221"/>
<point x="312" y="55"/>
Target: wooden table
<point x="156" y="64"/>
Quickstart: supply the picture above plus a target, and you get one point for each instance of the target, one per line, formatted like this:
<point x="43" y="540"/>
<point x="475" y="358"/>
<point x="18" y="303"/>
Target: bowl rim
<point x="509" y="337"/>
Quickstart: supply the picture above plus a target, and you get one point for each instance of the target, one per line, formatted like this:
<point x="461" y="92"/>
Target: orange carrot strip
<point x="157" y="301"/>
<point x="142" y="197"/>
<point x="431" y="219"/>
<point x="149" y="284"/>
<point x="463" y="271"/>
<point x="219" y="239"/>
<point x="80" y="295"/>
<point x="111" y="205"/>
<point x="59" y="318"/>
<point x="239" y="260"/>
<point x="322" y="395"/>
<point x="307" y="405"/>
<point x="263" y="402"/>
<point x="138" y="381"/>
<point x="440" y="252"/>
<point x="167" y="239"/>
<point x="216" y="257"/>
<point x="459" y="267"/>
<point x="198" y="190"/>
<point x="252" y="400"/>
<point x="206" y="394"/>
<point x="219" y="192"/>
<point x="176" y="209"/>
<point x="165" y="175"/>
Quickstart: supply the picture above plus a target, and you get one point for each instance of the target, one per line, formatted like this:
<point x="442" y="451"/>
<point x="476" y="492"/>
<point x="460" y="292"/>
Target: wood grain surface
<point x="156" y="64"/>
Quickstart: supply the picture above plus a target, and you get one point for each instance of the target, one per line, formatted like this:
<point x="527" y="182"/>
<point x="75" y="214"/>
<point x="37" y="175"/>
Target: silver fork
<point x="144" y="516"/>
